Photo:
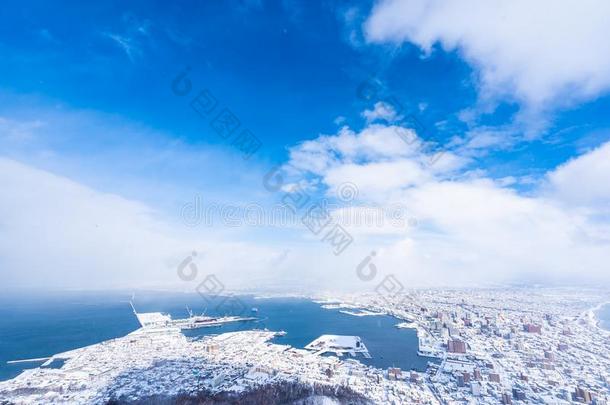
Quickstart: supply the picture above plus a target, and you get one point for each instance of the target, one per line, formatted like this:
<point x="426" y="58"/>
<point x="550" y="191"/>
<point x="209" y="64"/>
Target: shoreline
<point x="593" y="317"/>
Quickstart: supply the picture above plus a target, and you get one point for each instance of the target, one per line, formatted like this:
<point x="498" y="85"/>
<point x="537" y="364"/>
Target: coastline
<point x="594" y="318"/>
<point x="425" y="341"/>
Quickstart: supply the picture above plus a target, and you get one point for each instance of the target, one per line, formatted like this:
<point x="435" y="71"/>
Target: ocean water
<point x="603" y="315"/>
<point x="46" y="324"/>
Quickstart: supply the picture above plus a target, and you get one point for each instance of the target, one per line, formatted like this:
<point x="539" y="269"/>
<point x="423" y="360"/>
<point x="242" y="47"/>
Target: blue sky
<point x="86" y="98"/>
<point x="285" y="77"/>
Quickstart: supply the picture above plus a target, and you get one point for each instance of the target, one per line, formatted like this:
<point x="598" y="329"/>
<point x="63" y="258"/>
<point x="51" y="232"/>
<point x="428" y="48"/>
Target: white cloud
<point x="542" y="53"/>
<point x="134" y="37"/>
<point x="381" y="112"/>
<point x="339" y="120"/>
<point x="584" y="181"/>
<point x="471" y="229"/>
<point x="375" y="143"/>
<point x="486" y="138"/>
<point x="379" y="177"/>
<point x="378" y="159"/>
<point x="491" y="233"/>
<point x="127" y="44"/>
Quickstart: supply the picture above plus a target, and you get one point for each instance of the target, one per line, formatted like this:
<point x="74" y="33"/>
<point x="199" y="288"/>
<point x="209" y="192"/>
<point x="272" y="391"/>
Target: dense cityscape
<point x="507" y="346"/>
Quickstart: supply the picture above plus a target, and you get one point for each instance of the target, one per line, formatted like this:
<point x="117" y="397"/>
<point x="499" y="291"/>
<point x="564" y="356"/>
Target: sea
<point x="603" y="315"/>
<point x="40" y="325"/>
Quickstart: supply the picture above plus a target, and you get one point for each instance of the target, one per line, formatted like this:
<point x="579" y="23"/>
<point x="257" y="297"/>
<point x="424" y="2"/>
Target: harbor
<point x="161" y="320"/>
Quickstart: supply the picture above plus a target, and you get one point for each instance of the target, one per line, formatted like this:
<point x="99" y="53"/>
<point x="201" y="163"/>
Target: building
<point x="211" y="348"/>
<point x="394" y="373"/>
<point x="518" y="394"/>
<point x="456" y="346"/>
<point x="582" y="395"/>
<point x="531" y="328"/>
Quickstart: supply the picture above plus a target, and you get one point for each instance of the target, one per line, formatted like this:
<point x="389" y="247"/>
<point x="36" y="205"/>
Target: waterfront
<point x="489" y="339"/>
<point x="603" y="316"/>
<point x="43" y="325"/>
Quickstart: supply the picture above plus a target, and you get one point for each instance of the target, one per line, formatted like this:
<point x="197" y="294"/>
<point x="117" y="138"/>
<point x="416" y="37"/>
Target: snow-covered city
<point x="487" y="346"/>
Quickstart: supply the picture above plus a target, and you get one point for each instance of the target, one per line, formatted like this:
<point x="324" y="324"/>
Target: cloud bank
<point x="472" y="229"/>
<point x="56" y="233"/>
